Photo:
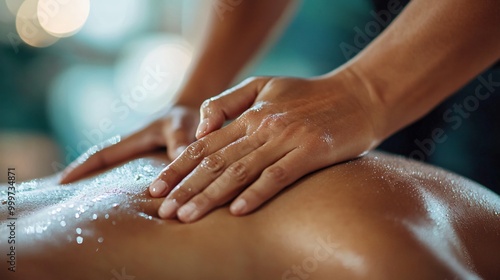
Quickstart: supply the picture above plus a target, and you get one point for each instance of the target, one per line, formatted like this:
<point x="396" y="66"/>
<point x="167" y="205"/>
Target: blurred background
<point x="69" y="70"/>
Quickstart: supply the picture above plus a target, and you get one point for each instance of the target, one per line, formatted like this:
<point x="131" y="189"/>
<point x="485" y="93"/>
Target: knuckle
<point x="209" y="106"/>
<point x="183" y="193"/>
<point x="206" y="104"/>
<point x="250" y="115"/>
<point x="213" y="163"/>
<point x="276" y="174"/>
<point x="211" y="197"/>
<point x="257" y="139"/>
<point x="275" y="82"/>
<point x="252" y="194"/>
<point x="251" y="80"/>
<point x="279" y="83"/>
<point x="208" y="197"/>
<point x="237" y="172"/>
<point x="196" y="150"/>
<point x="170" y="172"/>
<point x="276" y="122"/>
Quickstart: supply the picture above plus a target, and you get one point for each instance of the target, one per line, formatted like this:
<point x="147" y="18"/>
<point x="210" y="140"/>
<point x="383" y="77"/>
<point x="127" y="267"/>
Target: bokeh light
<point x="62" y="18"/>
<point x="91" y="94"/>
<point x="112" y="22"/>
<point x="28" y="26"/>
<point x="151" y="71"/>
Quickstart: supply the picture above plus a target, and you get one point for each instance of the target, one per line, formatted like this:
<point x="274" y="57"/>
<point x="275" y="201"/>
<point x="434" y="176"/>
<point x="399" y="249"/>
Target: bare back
<point x="379" y="217"/>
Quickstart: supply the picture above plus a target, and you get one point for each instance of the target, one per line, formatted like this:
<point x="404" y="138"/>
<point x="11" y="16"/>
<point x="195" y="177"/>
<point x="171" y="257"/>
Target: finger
<point x="130" y="147"/>
<point x="228" y="105"/>
<point x="210" y="168"/>
<point x="177" y="140"/>
<point x="192" y="156"/>
<point x="213" y="165"/>
<point x="273" y="179"/>
<point x="205" y="172"/>
<point x="237" y="176"/>
<point x="179" y="134"/>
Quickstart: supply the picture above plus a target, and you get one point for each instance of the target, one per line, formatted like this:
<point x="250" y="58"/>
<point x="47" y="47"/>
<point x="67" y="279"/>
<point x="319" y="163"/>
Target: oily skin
<point x="253" y="156"/>
<point x="411" y="67"/>
<point x="383" y="215"/>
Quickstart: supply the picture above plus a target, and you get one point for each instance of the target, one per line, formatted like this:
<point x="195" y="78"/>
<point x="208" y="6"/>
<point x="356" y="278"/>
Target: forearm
<point x="431" y="50"/>
<point x="232" y="37"/>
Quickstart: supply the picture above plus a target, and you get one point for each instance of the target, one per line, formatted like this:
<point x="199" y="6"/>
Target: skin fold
<point x="377" y="217"/>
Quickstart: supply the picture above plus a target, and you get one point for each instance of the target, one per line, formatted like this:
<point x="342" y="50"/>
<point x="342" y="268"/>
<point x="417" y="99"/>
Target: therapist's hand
<point x="284" y="128"/>
<point x="175" y="130"/>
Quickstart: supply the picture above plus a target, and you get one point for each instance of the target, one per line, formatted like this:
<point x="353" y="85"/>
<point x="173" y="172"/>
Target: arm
<point x="430" y="51"/>
<point x="232" y="37"/>
<point x="297" y="126"/>
<point x="228" y="44"/>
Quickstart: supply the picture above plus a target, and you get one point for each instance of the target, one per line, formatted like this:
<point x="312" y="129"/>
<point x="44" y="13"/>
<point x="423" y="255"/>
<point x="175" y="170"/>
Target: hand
<point x="285" y="128"/>
<point x="176" y="130"/>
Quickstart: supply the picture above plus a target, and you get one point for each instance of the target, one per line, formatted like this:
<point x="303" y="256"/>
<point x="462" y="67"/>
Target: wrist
<point x="355" y="83"/>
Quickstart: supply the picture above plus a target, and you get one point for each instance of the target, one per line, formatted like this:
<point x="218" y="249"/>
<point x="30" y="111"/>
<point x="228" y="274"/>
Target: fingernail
<point x="168" y="208"/>
<point x="188" y="212"/>
<point x="202" y="128"/>
<point x="238" y="206"/>
<point x="158" y="187"/>
<point x="179" y="151"/>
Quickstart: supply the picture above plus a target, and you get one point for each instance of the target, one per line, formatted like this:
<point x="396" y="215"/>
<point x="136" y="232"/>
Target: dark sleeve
<point x="381" y="5"/>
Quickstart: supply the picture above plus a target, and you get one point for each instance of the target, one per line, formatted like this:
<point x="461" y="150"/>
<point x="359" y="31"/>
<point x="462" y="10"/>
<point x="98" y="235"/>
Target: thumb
<point x="228" y="105"/>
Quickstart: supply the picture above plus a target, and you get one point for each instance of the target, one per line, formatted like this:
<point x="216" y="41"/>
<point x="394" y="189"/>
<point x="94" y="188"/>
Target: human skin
<point x="427" y="53"/>
<point x="176" y="129"/>
<point x="378" y="217"/>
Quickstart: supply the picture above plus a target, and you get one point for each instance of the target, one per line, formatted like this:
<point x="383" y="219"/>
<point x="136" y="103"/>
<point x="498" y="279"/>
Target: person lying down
<point x="378" y="217"/>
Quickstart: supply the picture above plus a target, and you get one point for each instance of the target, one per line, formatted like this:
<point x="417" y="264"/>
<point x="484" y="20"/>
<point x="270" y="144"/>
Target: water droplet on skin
<point x="100" y="239"/>
<point x="63" y="223"/>
<point x="79" y="239"/>
<point x="78" y="230"/>
<point x="148" y="168"/>
<point x="94" y="217"/>
<point x="77" y="215"/>
<point x="115" y="205"/>
<point x="106" y="216"/>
